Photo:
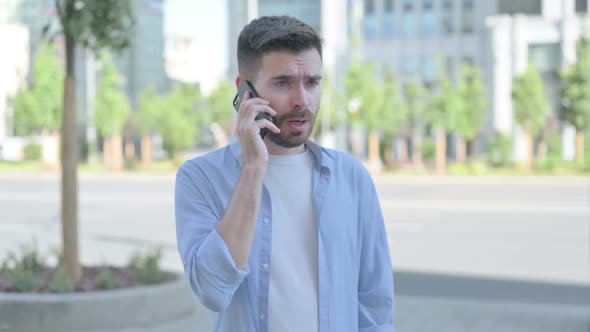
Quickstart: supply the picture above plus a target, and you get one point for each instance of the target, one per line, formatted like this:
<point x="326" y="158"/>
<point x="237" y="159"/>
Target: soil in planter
<point x="116" y="278"/>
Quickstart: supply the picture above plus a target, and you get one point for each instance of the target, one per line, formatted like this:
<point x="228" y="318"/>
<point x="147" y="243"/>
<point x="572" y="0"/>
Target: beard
<point x="288" y="138"/>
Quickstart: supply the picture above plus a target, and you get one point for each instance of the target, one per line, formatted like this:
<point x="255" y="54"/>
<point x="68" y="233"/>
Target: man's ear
<point x="239" y="80"/>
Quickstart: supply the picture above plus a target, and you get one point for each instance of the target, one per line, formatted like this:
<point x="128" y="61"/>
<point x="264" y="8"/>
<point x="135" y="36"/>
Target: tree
<point x="473" y="107"/>
<point x="222" y="112"/>
<point x="93" y="24"/>
<point x="575" y="95"/>
<point x="395" y="114"/>
<point x="185" y="114"/>
<point x="39" y="108"/>
<point x="112" y="110"/>
<point x="332" y="108"/>
<point x="363" y="88"/>
<point x="415" y="105"/>
<point x="444" y="114"/>
<point x="151" y="111"/>
<point x="530" y="106"/>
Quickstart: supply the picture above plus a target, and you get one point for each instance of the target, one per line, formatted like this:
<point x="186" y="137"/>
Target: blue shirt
<point x="355" y="272"/>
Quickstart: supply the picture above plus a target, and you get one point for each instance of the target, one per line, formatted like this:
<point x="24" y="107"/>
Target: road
<point x="498" y="236"/>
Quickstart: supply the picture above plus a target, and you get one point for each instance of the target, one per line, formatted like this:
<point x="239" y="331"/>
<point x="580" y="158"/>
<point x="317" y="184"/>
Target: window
<point x="546" y="57"/>
<point x="389" y="6"/>
<point x="449" y="67"/>
<point x="389" y="26"/>
<point x="447" y="17"/>
<point x="369" y="7"/>
<point x="428" y="69"/>
<point x="582" y="6"/>
<point x="428" y="23"/>
<point x="409" y="25"/>
<point x="409" y="67"/>
<point x="426" y="4"/>
<point x="408" y="5"/>
<point x="370" y="27"/>
<point x="467" y="17"/>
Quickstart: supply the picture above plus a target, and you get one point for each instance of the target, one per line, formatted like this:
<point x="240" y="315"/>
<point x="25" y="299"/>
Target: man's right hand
<point x="254" y="151"/>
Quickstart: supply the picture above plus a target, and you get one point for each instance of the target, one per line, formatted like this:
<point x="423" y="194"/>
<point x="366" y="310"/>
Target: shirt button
<point x="265" y="266"/>
<point x="265" y="220"/>
<point x="262" y="317"/>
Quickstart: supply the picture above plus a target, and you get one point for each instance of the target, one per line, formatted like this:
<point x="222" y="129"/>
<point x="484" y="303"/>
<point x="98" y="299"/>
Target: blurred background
<point x="472" y="115"/>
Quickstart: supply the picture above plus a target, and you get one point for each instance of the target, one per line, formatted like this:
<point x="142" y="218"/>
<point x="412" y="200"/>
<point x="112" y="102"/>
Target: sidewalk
<point x="439" y="303"/>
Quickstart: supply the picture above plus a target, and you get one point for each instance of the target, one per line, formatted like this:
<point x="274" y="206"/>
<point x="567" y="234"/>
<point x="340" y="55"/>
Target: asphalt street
<point x="474" y="254"/>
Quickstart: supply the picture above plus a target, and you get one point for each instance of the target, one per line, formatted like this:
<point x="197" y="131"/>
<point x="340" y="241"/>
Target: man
<point x="279" y="234"/>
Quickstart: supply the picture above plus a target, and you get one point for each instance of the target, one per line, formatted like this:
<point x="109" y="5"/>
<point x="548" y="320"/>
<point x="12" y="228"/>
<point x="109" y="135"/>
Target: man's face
<point x="291" y="83"/>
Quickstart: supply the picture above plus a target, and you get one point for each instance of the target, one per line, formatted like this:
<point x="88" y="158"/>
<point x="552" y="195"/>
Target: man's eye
<point x="283" y="84"/>
<point x="313" y="83"/>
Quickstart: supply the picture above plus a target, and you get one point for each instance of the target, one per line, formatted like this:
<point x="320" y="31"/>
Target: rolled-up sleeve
<point x="212" y="273"/>
<point x="375" y="289"/>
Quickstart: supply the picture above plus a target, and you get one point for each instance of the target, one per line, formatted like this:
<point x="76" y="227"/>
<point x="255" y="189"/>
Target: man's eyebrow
<point x="293" y="77"/>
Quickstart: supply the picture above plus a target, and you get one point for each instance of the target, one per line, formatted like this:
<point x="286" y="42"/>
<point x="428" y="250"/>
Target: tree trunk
<point x="461" y="150"/>
<point x="542" y="152"/>
<point x="403" y="151"/>
<point x="580" y="147"/>
<point x="129" y="150"/>
<point x="417" y="150"/>
<point x="530" y="151"/>
<point x="147" y="151"/>
<point x="69" y="170"/>
<point x="117" y="152"/>
<point x="441" y="152"/>
<point x="374" y="158"/>
<point x="107" y="160"/>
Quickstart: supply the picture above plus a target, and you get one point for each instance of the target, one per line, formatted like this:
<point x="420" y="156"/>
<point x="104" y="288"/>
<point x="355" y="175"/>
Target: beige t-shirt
<point x="293" y="298"/>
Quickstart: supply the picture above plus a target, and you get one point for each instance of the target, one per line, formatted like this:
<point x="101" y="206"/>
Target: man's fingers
<point x="264" y="123"/>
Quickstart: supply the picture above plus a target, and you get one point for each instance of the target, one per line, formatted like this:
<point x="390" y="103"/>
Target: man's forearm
<point x="238" y="225"/>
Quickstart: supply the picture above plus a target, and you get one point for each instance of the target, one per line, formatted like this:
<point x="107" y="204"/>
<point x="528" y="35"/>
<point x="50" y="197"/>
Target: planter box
<point x="113" y="310"/>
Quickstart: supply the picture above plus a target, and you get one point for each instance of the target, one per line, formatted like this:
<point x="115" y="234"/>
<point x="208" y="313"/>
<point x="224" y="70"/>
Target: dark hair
<point x="273" y="33"/>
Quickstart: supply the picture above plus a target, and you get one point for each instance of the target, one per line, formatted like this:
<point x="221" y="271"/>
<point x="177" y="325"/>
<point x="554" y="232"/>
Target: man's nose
<point x="299" y="99"/>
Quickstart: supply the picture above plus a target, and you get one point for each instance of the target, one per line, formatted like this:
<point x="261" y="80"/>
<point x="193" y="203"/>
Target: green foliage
<point x="112" y="106"/>
<point x="428" y="150"/>
<point x="445" y="108"/>
<point x="394" y="114"/>
<point x="21" y="270"/>
<point x="185" y="114"/>
<point x="151" y="111"/>
<point x="40" y="106"/>
<point x="104" y="279"/>
<point x="470" y="119"/>
<point x="220" y="107"/>
<point x="32" y="152"/>
<point x="414" y="104"/>
<point x="147" y="267"/>
<point x="61" y="284"/>
<point x="575" y="88"/>
<point x="332" y="106"/>
<point x="500" y="151"/>
<point x="470" y="168"/>
<point x="530" y="104"/>
<point x="97" y="24"/>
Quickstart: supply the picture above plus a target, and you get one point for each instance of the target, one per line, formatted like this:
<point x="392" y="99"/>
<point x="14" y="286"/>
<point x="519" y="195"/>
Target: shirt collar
<point x="324" y="157"/>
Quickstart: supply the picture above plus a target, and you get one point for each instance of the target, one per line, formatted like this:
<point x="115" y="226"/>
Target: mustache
<point x="305" y="114"/>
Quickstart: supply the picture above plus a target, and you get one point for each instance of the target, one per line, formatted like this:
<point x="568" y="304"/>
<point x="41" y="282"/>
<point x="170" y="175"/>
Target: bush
<point x="147" y="267"/>
<point x="61" y="284"/>
<point x="428" y="150"/>
<point x="21" y="271"/>
<point x="500" y="151"/>
<point x="32" y="152"/>
<point x="104" y="279"/>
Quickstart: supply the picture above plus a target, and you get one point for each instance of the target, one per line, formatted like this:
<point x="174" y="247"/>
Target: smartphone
<point x="247" y="86"/>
